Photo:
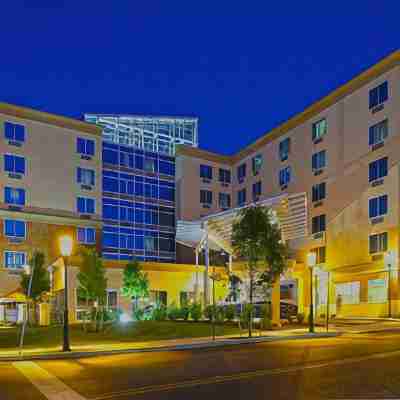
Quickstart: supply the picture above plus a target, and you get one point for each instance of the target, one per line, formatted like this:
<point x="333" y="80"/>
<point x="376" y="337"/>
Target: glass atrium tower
<point x="139" y="183"/>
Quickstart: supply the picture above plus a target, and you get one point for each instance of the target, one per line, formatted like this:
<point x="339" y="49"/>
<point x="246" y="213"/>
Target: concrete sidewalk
<point x="101" y="349"/>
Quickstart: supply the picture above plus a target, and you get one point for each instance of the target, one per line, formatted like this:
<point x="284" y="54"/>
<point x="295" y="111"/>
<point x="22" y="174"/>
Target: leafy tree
<point x="40" y="281"/>
<point x="257" y="240"/>
<point x="92" y="284"/>
<point x="135" y="283"/>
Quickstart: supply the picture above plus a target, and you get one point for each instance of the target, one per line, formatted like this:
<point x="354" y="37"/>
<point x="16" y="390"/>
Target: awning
<point x="288" y="211"/>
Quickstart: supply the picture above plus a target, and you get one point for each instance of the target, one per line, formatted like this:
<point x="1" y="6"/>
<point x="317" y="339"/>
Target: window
<point x="256" y="164"/>
<point x="85" y="146"/>
<point x="378" y="169"/>
<point x="14" y="132"/>
<point x="224" y="175"/>
<point x="87" y="235"/>
<point x="284" y="176"/>
<point x="378" y="132"/>
<point x="224" y="200"/>
<point x="85" y="205"/>
<point x="14" y="196"/>
<point x="150" y="243"/>
<point x="318" y="192"/>
<point x="149" y="165"/>
<point x="257" y="188"/>
<point x="320" y="254"/>
<point x="166" y="168"/>
<point x="318" y="224"/>
<point x="14" y="164"/>
<point x="284" y="149"/>
<point x="241" y="197"/>
<point x="14" y="259"/>
<point x="378" y="243"/>
<point x="377" y="291"/>
<point x="349" y="292"/>
<point x="319" y="129"/>
<point x="205" y="172"/>
<point x="318" y="160"/>
<point x="378" y="206"/>
<point x="112" y="299"/>
<point x="241" y="172"/>
<point x="14" y="228"/>
<point x="158" y="297"/>
<point x="206" y="197"/>
<point x="378" y="95"/>
<point x="85" y="176"/>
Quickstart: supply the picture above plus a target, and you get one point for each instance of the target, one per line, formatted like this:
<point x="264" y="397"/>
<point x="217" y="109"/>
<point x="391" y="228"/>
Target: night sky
<point x="242" y="67"/>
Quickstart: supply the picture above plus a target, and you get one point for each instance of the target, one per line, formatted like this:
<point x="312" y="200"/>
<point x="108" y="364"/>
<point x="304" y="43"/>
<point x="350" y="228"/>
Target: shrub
<point x="245" y="314"/>
<point x="195" y="311"/>
<point x="220" y="314"/>
<point x="209" y="312"/>
<point x="230" y="312"/>
<point x="173" y="312"/>
<point x="138" y="314"/>
<point x="184" y="312"/>
<point x="160" y="313"/>
<point x="266" y="321"/>
<point x="300" y="318"/>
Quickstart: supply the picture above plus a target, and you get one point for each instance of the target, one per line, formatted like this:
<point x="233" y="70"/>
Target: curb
<point x="179" y="347"/>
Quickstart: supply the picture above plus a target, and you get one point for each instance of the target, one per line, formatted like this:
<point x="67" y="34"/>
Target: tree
<point x="135" y="284"/>
<point x="92" y="284"/>
<point x="40" y="282"/>
<point x="257" y="240"/>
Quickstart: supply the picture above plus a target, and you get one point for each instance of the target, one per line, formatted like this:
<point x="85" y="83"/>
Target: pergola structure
<point x="214" y="231"/>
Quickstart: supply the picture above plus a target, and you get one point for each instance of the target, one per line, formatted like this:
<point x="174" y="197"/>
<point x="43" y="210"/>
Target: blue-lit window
<point x="224" y="200"/>
<point x="126" y="160"/>
<point x="284" y="149"/>
<point x="150" y="243"/>
<point x="378" y="95"/>
<point x="14" y="228"/>
<point x="14" y="259"/>
<point x="14" y="164"/>
<point x="110" y="184"/>
<point x="167" y="193"/>
<point x="241" y="172"/>
<point x="85" y="146"/>
<point x="14" y="196"/>
<point x="110" y="211"/>
<point x="224" y="175"/>
<point x="149" y="165"/>
<point x="110" y="156"/>
<point x="110" y="240"/>
<point x="87" y="235"/>
<point x="285" y="176"/>
<point x="378" y="132"/>
<point x="319" y="191"/>
<point x="14" y="132"/>
<point x="206" y="197"/>
<point x="378" y="206"/>
<point x="206" y="172"/>
<point x="167" y="168"/>
<point x="241" y="197"/>
<point x="85" y="205"/>
<point x="318" y="160"/>
<point x="256" y="164"/>
<point x="85" y="176"/>
<point x="378" y="169"/>
<point x="319" y="129"/>
<point x="257" y="189"/>
<point x="318" y="224"/>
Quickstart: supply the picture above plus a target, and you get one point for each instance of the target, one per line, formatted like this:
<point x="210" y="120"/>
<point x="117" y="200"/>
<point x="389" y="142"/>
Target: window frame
<point x="20" y="190"/>
<point x="378" y="206"/>
<point x="285" y="172"/>
<point x="316" y="189"/>
<point x="206" y="197"/>
<point x="315" y="124"/>
<point x="371" y="132"/>
<point x="14" y="139"/>
<point x="382" y="238"/>
<point x="85" y="241"/>
<point x="15" y="235"/>
<point x="18" y="156"/>
<point x="316" y="157"/>
<point x="206" y="172"/>
<point x="85" y="199"/>
<point x="379" y="100"/>
<point x="283" y="151"/>
<point x="14" y="252"/>
<point x="86" y="153"/>
<point x="370" y="168"/>
<point x="319" y="218"/>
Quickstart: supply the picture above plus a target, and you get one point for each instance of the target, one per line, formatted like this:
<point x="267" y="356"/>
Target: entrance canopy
<point x="288" y="211"/>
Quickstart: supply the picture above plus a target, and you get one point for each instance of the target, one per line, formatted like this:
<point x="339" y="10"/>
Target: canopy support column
<point x="196" y="284"/>
<point x="207" y="266"/>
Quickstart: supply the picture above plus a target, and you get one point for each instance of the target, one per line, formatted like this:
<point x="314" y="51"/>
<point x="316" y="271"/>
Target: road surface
<point x="351" y="366"/>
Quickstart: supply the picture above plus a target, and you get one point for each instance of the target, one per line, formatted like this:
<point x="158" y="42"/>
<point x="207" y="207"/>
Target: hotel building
<point x="330" y="173"/>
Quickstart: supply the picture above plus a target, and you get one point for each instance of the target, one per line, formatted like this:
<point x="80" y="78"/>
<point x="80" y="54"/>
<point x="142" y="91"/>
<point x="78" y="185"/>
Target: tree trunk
<point x="251" y="304"/>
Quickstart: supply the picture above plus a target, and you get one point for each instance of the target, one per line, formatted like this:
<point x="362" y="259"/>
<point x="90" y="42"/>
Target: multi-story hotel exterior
<point x="331" y="172"/>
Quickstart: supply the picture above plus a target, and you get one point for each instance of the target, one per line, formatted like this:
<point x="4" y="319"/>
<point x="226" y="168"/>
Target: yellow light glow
<point x="66" y="244"/>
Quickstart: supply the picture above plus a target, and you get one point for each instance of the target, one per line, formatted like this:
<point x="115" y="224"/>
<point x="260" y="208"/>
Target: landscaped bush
<point x="266" y="321"/>
<point x="184" y="312"/>
<point x="300" y="318"/>
<point x="195" y="311"/>
<point x="220" y="314"/>
<point x="245" y="314"/>
<point x="230" y="312"/>
<point x="173" y="312"/>
<point x="210" y="312"/>
<point x="160" y="313"/>
<point x="138" y="314"/>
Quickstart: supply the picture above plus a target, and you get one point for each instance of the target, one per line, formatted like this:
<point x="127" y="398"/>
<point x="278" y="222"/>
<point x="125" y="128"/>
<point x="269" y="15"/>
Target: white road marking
<point x="48" y="384"/>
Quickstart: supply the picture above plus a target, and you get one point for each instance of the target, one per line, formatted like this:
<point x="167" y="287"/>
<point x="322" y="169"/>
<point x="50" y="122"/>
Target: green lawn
<point x="130" y="332"/>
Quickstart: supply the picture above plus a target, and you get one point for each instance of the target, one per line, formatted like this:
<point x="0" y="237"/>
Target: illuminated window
<point x="256" y="164"/>
<point x="378" y="206"/>
<point x="284" y="149"/>
<point x="378" y="169"/>
<point x="378" y="243"/>
<point x="319" y="192"/>
<point x="378" y="132"/>
<point x="14" y="132"/>
<point x="319" y="129"/>
<point x="378" y="95"/>
<point x="205" y="172"/>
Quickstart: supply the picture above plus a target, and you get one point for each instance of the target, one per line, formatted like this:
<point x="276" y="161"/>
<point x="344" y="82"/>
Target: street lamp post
<point x="66" y="245"/>
<point x="28" y="270"/>
<point x="311" y="261"/>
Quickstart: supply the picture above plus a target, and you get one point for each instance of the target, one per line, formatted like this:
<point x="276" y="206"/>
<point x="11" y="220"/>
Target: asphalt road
<point x="357" y="366"/>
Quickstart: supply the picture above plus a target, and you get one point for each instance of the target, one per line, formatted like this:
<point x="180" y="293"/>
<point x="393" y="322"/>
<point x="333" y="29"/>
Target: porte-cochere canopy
<point x="288" y="211"/>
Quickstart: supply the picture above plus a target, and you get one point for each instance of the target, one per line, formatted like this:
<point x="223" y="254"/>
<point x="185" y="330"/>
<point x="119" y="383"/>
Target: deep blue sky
<point x="242" y="67"/>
